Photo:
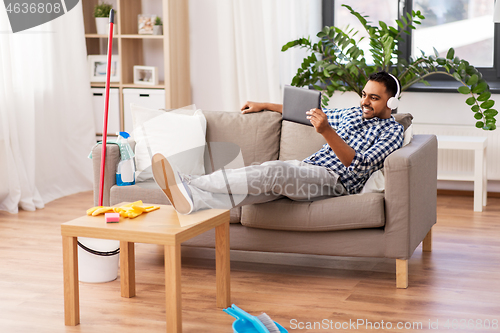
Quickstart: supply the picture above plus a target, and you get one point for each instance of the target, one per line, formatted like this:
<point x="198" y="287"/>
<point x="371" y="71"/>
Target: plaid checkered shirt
<point x="372" y="139"/>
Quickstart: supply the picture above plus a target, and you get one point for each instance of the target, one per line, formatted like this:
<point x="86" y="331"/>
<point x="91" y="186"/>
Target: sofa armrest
<point x="112" y="159"/>
<point x="410" y="195"/>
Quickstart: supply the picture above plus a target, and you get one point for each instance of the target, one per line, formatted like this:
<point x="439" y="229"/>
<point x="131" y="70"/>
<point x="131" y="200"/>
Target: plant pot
<point x="157" y="29"/>
<point x="102" y="25"/>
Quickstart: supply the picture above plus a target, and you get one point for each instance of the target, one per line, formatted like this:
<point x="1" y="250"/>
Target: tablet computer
<point x="297" y="101"/>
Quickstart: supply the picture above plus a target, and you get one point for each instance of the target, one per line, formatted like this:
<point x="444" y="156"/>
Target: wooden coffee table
<point x="163" y="227"/>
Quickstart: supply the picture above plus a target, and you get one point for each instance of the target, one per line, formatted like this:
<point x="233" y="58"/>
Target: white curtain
<point x="242" y="40"/>
<point x="46" y="119"/>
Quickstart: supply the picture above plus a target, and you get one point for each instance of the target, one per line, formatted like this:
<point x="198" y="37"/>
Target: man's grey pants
<point x="225" y="189"/>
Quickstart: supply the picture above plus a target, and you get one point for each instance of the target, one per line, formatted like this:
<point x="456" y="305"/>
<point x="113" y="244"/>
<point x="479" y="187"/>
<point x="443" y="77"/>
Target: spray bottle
<point x="125" y="172"/>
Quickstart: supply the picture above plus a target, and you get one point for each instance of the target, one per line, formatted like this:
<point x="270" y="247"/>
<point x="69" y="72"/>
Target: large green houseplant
<point x="337" y="63"/>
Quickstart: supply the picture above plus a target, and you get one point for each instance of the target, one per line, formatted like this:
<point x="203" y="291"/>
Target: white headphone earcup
<point x="392" y="103"/>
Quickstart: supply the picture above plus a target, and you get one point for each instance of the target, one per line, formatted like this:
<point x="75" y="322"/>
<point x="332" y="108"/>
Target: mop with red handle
<point x="106" y="104"/>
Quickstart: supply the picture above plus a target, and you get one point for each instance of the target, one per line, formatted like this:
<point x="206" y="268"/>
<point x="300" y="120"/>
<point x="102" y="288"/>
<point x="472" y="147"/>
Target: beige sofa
<point x="384" y="225"/>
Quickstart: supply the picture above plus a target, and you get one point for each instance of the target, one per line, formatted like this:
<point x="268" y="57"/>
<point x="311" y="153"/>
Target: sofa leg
<point x="427" y="242"/>
<point x="401" y="273"/>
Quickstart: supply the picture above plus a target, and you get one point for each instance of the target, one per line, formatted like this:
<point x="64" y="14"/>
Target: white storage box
<point x="148" y="98"/>
<point x="98" y="95"/>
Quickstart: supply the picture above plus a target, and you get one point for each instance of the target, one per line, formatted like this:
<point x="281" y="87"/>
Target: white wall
<point x="209" y="65"/>
<point x="153" y="49"/>
<point x="205" y="64"/>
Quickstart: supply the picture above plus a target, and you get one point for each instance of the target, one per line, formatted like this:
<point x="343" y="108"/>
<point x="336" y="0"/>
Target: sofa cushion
<point x="404" y="119"/>
<point x="257" y="134"/>
<point x="146" y="191"/>
<point x="357" y="211"/>
<point x="149" y="192"/>
<point x="298" y="141"/>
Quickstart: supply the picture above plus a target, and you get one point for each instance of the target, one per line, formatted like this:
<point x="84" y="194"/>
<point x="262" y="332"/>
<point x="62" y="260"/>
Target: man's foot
<point x="171" y="184"/>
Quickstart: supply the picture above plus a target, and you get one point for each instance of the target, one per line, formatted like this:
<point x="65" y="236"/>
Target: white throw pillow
<point x="171" y="134"/>
<point x="408" y="135"/>
<point x="376" y="183"/>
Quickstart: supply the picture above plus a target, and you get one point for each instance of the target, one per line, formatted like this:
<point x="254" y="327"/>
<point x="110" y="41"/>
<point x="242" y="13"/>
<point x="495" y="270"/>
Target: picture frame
<point x="146" y="75"/>
<point x="145" y="24"/>
<point x="98" y="65"/>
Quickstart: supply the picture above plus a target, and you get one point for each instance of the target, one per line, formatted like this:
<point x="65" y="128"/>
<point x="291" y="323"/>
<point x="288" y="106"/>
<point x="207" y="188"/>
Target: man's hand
<point x="250" y="107"/>
<point x="319" y="120"/>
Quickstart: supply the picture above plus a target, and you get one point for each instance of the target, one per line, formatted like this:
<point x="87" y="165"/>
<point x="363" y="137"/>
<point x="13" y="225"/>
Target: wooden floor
<point x="459" y="280"/>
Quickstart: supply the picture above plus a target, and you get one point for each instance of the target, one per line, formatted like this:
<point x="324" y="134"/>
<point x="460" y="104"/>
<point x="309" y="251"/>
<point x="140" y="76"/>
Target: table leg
<point x="222" y="265"/>
<point x="127" y="269"/>
<point x="71" y="292"/>
<point x="173" y="288"/>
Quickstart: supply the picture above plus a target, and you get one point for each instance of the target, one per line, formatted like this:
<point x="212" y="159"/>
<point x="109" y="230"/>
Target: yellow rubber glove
<point x="102" y="210"/>
<point x="136" y="203"/>
<point x="151" y="208"/>
<point x="130" y="210"/>
<point x="93" y="209"/>
<point x="133" y="213"/>
<point x="123" y="211"/>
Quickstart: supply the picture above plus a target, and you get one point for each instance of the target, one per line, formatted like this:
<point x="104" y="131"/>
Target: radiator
<point x="463" y="161"/>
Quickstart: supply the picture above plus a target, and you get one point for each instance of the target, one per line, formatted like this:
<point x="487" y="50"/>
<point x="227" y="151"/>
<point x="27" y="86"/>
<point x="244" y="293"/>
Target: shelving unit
<point x="130" y="50"/>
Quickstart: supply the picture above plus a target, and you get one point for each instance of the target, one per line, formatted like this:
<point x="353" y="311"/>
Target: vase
<point x="157" y="29"/>
<point x="101" y="24"/>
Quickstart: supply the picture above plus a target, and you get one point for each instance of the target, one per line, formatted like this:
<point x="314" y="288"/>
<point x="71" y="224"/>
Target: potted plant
<point x="158" y="26"/>
<point x="101" y="14"/>
<point x="336" y="63"/>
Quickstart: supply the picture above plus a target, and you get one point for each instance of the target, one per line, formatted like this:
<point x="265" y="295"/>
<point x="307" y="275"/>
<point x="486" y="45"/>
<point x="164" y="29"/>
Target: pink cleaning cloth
<point x="112" y="217"/>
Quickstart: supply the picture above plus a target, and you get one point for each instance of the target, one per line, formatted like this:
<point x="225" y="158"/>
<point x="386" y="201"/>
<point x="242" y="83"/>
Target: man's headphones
<point x="393" y="102"/>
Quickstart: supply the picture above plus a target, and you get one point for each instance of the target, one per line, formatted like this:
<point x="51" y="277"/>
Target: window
<point x="465" y="25"/>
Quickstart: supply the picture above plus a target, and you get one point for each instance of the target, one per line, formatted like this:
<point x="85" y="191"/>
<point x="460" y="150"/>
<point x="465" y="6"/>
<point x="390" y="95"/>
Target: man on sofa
<point x="358" y="141"/>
